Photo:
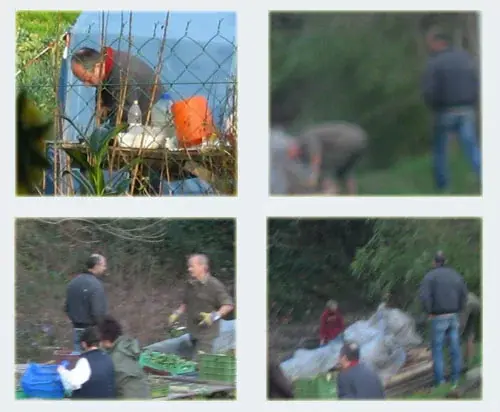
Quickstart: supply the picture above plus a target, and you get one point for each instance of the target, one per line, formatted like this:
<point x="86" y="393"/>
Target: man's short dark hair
<point x="439" y="258"/>
<point x="351" y="351"/>
<point x="87" y="57"/>
<point x="110" y="329"/>
<point x="439" y="34"/>
<point x="90" y="336"/>
<point x="92" y="261"/>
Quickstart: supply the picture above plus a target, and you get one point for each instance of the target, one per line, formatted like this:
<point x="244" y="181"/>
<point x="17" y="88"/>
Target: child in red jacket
<point x="331" y="323"/>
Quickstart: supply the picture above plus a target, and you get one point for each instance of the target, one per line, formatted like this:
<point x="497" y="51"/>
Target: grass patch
<point x="413" y="177"/>
<point x="35" y="30"/>
<point x="45" y="23"/>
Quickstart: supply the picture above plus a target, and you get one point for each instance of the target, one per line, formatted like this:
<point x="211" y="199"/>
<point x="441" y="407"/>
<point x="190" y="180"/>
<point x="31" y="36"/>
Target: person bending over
<point x="131" y="381"/>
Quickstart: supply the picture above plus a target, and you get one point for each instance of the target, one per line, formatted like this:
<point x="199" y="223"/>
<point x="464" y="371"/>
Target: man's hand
<point x="330" y="187"/>
<point x="173" y="318"/>
<point x="208" y="319"/>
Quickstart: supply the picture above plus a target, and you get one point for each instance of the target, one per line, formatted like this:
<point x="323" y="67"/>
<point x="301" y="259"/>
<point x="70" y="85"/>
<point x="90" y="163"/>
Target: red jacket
<point x="331" y="325"/>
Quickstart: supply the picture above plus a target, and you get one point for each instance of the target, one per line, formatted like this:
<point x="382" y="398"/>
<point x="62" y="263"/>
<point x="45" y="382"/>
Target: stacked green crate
<point x="218" y="367"/>
<point x="320" y="387"/>
<point x="160" y="388"/>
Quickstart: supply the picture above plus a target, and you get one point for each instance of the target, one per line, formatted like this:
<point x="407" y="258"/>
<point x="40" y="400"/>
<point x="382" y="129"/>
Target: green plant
<point x="400" y="252"/>
<point x="92" y="180"/>
<point x="38" y="38"/>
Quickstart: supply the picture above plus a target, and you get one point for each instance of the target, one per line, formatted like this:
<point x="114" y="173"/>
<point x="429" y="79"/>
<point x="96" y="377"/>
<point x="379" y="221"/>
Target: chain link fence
<point x="190" y="56"/>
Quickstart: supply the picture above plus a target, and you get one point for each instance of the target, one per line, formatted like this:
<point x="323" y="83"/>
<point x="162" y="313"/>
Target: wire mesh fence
<point x="109" y="61"/>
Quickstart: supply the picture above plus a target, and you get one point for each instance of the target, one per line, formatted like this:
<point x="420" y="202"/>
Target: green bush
<point x="356" y="260"/>
<point x="35" y="30"/>
<point x="400" y="252"/>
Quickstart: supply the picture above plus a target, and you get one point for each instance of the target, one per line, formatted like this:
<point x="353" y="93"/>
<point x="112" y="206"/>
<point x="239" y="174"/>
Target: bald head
<point x="96" y="264"/>
<point x="349" y="353"/>
<point x="198" y="266"/>
<point x="439" y="259"/>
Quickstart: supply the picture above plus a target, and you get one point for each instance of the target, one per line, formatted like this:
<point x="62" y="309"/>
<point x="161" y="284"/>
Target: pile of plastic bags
<point x="384" y="340"/>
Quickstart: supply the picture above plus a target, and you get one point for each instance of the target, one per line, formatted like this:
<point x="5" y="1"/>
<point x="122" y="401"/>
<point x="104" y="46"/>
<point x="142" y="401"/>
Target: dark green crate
<point x="220" y="368"/>
<point x="320" y="387"/>
<point x="160" y="387"/>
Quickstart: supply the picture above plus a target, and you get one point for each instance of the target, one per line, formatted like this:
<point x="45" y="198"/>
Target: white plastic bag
<point x="383" y="339"/>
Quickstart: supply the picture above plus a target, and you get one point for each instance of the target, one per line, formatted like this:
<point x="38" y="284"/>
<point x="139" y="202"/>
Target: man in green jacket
<point x="333" y="150"/>
<point x="131" y="381"/>
<point x="470" y="327"/>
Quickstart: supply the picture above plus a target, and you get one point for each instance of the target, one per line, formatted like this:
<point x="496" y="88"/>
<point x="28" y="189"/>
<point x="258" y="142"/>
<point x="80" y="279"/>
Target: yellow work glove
<point x="208" y="318"/>
<point x="173" y="318"/>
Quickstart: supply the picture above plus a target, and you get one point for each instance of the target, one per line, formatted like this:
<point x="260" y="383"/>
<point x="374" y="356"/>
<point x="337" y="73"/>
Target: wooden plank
<point x="410" y="373"/>
<point x="189" y="379"/>
<point x="202" y="391"/>
<point x="155" y="154"/>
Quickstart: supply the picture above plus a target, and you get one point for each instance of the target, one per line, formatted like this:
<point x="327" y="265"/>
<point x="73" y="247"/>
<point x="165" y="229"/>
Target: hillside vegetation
<point x="147" y="271"/>
<point x="356" y="261"/>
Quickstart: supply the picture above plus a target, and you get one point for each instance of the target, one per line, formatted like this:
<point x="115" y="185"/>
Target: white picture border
<point x="253" y="206"/>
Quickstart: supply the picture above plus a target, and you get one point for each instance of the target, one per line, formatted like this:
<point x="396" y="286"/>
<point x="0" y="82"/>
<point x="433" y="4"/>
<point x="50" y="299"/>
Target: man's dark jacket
<point x="86" y="303"/>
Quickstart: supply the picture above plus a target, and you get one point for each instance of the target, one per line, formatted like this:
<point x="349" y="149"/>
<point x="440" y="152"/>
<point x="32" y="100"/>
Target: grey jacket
<point x="451" y="79"/>
<point x="139" y="84"/>
<point x="359" y="382"/>
<point x="86" y="303"/>
<point x="443" y="291"/>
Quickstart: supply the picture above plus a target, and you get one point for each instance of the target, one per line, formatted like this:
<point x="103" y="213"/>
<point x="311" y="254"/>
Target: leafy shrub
<point x="400" y="252"/>
<point x="34" y="32"/>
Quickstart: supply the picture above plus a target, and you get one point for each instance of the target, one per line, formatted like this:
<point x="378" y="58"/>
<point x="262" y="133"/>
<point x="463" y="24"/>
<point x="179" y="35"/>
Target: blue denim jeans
<point x="462" y="122"/>
<point x="77" y="334"/>
<point x="443" y="327"/>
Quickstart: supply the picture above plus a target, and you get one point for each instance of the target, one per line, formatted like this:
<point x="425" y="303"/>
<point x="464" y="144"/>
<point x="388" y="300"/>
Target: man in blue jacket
<point x="450" y="89"/>
<point x="357" y="380"/>
<point x="86" y="303"/>
<point x="443" y="293"/>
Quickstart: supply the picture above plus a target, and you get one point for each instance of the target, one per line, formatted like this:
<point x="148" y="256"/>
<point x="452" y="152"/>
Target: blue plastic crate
<point x="42" y="381"/>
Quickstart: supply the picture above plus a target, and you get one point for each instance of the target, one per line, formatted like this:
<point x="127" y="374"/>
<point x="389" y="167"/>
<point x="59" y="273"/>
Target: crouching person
<point x="93" y="376"/>
<point x="131" y="381"/>
<point x="356" y="380"/>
